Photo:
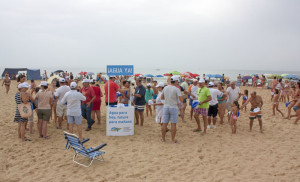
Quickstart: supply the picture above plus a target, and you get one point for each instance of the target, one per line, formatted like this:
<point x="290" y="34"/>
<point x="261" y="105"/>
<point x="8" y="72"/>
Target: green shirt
<point x="203" y="94"/>
<point x="149" y="94"/>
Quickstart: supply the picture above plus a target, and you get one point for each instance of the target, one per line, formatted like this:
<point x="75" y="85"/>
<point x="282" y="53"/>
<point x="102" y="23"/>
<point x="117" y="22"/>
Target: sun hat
<point x="73" y="85"/>
<point x="92" y="81"/>
<point x="112" y="76"/>
<point x="23" y="85"/>
<point x="86" y="81"/>
<point x="175" y="78"/>
<point x="62" y="80"/>
<point x="160" y="84"/>
<point x="44" y="83"/>
<point x="201" y="80"/>
<point x="211" y="84"/>
<point x="149" y="85"/>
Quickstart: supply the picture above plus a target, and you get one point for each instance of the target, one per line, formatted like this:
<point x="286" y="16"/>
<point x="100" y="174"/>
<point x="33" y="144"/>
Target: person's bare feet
<point x="162" y="140"/>
<point x="175" y="141"/>
<point x="136" y="123"/>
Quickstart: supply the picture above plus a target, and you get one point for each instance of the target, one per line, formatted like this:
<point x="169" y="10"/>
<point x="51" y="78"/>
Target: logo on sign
<point x="115" y="129"/>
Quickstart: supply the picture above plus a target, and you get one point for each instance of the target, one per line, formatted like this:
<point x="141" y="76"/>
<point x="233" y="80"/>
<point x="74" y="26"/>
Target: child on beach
<point x="276" y="102"/>
<point x="245" y="97"/>
<point x="32" y="86"/>
<point x="148" y="96"/>
<point x="234" y="115"/>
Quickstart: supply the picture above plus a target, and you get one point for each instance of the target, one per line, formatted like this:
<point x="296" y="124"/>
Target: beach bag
<point x="25" y="110"/>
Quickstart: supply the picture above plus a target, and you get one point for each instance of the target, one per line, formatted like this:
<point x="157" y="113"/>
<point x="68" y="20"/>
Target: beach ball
<point x="245" y="98"/>
<point x="195" y="104"/>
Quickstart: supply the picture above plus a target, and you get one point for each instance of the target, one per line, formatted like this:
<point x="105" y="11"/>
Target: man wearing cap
<point x="87" y="105"/>
<point x="61" y="108"/>
<point x="204" y="97"/>
<point x="73" y="99"/>
<point x="213" y="104"/>
<point x="139" y="102"/>
<point x="171" y="95"/>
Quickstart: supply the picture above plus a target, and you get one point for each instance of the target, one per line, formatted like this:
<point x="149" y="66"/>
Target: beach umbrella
<point x="58" y="71"/>
<point x="159" y="76"/>
<point x="210" y="76"/>
<point x="82" y="73"/>
<point x="218" y="76"/>
<point x="283" y="75"/>
<point x="138" y="74"/>
<point x="246" y="77"/>
<point x="52" y="77"/>
<point x="149" y="75"/>
<point x="291" y="76"/>
<point x="226" y="77"/>
<point x="175" y="72"/>
<point x="90" y="73"/>
<point x="186" y="74"/>
<point x="167" y="74"/>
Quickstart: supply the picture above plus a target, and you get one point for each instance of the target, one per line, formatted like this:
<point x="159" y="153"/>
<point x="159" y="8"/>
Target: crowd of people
<point x="64" y="100"/>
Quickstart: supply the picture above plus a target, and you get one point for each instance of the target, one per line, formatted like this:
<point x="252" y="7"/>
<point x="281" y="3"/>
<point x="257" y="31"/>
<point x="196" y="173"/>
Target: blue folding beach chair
<point x="91" y="153"/>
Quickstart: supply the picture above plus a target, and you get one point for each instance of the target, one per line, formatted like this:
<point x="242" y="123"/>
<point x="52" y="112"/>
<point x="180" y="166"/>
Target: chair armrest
<point x="85" y="140"/>
<point x="98" y="148"/>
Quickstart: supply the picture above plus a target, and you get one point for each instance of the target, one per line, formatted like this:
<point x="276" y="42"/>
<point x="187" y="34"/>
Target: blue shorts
<point x="191" y="102"/>
<point x="74" y="119"/>
<point x="170" y="114"/>
<point x="139" y="108"/>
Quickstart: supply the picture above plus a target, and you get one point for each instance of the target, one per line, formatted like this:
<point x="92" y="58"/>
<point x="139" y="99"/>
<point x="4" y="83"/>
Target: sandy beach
<point x="217" y="156"/>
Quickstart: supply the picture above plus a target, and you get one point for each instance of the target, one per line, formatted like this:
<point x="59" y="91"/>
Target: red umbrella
<point x="196" y="75"/>
<point x="187" y="74"/>
<point x="138" y="74"/>
<point x="82" y="73"/>
<point x="167" y="74"/>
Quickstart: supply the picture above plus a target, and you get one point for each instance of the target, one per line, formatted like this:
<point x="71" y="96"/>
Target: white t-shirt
<point x="185" y="85"/>
<point x="194" y="90"/>
<point x="158" y="101"/>
<point x="73" y="99"/>
<point x="233" y="94"/>
<point x="214" y="96"/>
<point x="60" y="92"/>
<point x="171" y="95"/>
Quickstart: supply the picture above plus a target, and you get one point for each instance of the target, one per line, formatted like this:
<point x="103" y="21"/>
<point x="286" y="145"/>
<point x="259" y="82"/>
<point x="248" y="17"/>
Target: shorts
<point x="201" y="111"/>
<point x="184" y="101"/>
<point x="295" y="108"/>
<point x="228" y="106"/>
<point x="44" y="114"/>
<point x="170" y="114"/>
<point x="213" y="111"/>
<point x="61" y="110"/>
<point x="191" y="102"/>
<point x="139" y="107"/>
<point x="112" y="103"/>
<point x="74" y="119"/>
<point x="254" y="115"/>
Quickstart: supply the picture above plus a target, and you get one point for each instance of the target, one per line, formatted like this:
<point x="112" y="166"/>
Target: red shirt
<point x="113" y="87"/>
<point x="97" y="91"/>
<point x="88" y="93"/>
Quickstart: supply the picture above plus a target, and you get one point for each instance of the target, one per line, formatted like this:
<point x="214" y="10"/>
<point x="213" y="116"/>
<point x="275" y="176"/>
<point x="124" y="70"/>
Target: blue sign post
<point x="120" y="119"/>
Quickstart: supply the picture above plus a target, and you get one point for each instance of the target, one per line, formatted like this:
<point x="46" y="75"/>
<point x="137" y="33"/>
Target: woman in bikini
<point x="295" y="99"/>
<point x="221" y="103"/>
<point x="276" y="103"/>
<point x="6" y="82"/>
<point x="286" y="91"/>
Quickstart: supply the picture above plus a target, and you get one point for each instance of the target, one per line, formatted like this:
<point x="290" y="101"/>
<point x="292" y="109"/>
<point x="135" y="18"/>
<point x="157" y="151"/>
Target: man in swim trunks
<point x="255" y="111"/>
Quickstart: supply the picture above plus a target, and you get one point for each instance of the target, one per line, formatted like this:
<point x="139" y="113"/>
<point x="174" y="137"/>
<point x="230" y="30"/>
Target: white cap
<point x="160" y="84"/>
<point x="141" y="76"/>
<point x="67" y="77"/>
<point x="62" y="80"/>
<point x="92" y="80"/>
<point x="44" y="83"/>
<point x="73" y="85"/>
<point x="23" y="85"/>
<point x="155" y="80"/>
<point x="112" y="76"/>
<point x="175" y="78"/>
<point x="211" y="84"/>
<point x="86" y="81"/>
<point x="195" y="80"/>
<point x="201" y="80"/>
<point x="149" y="85"/>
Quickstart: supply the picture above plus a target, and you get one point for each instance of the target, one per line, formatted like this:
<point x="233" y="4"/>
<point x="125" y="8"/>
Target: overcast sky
<point x="210" y="34"/>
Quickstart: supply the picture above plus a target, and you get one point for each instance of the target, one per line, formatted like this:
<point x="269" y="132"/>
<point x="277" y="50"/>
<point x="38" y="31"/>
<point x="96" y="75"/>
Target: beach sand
<point x="217" y="156"/>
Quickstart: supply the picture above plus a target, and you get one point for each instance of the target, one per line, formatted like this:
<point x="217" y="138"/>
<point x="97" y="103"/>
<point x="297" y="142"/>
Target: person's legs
<point x="136" y="113"/>
<point x="205" y="123"/>
<point x="45" y="123"/>
<point x="22" y="130"/>
<point x="40" y="125"/>
<point x="7" y="88"/>
<point x="71" y="120"/>
<point x="150" y="109"/>
<point x="173" y="132"/>
<point x="164" y="131"/>
<point x="147" y="108"/>
<point x="90" y="121"/>
<point x="98" y="113"/>
<point x="79" y="130"/>
<point x="298" y="116"/>
<point x="196" y="116"/>
<point x="141" y="113"/>
<point x="19" y="129"/>
<point x="209" y="120"/>
<point x="279" y="110"/>
<point x="232" y="125"/>
<point x="274" y="106"/>
<point x="93" y="114"/>
<point x="251" y="124"/>
<point x="290" y="109"/>
<point x="260" y="124"/>
<point x="165" y="121"/>
<point x="174" y="119"/>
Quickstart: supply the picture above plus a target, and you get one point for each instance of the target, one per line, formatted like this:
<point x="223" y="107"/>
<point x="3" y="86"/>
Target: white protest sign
<point x="120" y="121"/>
